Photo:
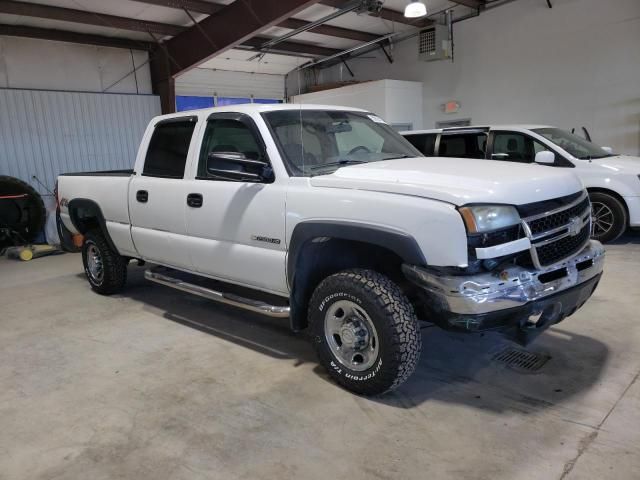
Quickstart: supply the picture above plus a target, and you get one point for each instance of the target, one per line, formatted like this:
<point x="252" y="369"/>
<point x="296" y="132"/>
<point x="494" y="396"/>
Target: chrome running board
<point x="217" y="296"/>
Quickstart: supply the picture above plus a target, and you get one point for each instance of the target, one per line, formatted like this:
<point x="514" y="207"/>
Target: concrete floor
<point x="157" y="384"/>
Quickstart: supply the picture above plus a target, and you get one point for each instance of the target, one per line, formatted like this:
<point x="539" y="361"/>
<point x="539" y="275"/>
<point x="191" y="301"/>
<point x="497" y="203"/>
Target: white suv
<point x="612" y="180"/>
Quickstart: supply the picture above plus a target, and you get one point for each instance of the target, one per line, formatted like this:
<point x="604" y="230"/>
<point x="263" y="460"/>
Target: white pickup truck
<point x="327" y="216"/>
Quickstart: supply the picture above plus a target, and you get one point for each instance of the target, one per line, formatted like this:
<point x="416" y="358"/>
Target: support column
<point x="162" y="83"/>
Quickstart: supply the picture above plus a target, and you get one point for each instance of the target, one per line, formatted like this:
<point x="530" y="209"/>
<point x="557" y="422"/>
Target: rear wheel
<point x="105" y="269"/>
<point x="608" y="217"/>
<point x="365" y="331"/>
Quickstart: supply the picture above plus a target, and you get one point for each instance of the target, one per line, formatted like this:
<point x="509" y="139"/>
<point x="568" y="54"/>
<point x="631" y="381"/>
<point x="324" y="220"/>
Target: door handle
<point x="194" y="200"/>
<point x="142" y="196"/>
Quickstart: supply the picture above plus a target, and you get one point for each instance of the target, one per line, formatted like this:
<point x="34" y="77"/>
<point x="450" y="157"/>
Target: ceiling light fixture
<point x="415" y="10"/>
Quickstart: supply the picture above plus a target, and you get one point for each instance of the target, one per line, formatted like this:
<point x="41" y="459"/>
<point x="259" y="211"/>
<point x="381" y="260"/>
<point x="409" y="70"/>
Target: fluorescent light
<point x="415" y="10"/>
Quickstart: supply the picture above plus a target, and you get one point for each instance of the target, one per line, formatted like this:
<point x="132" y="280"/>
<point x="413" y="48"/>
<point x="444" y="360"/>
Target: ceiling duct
<point x="370" y="7"/>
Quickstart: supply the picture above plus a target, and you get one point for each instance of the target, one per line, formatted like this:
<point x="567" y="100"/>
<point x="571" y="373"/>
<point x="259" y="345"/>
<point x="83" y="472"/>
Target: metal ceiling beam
<point x="231" y="26"/>
<point x="201" y="6"/>
<point x="348" y="7"/>
<point x="329" y="30"/>
<point x="89" y="18"/>
<point x="289" y="48"/>
<point x="385" y="13"/>
<point x="476" y="4"/>
<point x="73" y="37"/>
<point x="122" y="23"/>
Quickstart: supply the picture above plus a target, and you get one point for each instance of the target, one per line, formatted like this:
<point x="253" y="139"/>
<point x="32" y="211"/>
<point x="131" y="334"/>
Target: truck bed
<point x="107" y="190"/>
<point x="103" y="173"/>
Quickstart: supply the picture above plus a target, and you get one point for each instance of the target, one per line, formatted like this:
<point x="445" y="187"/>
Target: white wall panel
<point x="396" y="101"/>
<point x="48" y="65"/>
<point x="45" y="133"/>
<point x="206" y="82"/>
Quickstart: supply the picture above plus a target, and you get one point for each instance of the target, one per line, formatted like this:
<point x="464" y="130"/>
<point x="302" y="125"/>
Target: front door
<point x="237" y="233"/>
<point x="157" y="195"/>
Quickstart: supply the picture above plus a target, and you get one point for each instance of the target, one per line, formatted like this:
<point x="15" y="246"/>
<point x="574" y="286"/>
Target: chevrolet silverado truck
<point x="327" y="217"/>
<point x="612" y="180"/>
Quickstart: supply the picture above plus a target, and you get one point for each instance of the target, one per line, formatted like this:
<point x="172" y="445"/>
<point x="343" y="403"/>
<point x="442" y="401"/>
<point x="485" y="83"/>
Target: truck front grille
<point x="558" y="234"/>
<point x="549" y="222"/>
<point x="564" y="248"/>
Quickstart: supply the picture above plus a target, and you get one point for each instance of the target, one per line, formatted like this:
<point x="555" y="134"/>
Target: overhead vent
<point x="434" y="43"/>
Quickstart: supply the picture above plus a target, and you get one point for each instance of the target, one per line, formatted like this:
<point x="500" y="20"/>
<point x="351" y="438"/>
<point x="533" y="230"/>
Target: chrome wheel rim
<point x="351" y="335"/>
<point x="602" y="219"/>
<point x="95" y="267"/>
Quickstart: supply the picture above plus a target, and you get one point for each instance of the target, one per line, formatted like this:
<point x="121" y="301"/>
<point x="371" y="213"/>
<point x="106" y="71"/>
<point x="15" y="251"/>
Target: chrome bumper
<point x="508" y="288"/>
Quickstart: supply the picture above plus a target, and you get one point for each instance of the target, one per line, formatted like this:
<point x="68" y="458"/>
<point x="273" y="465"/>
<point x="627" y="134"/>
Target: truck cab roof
<point x="254" y="108"/>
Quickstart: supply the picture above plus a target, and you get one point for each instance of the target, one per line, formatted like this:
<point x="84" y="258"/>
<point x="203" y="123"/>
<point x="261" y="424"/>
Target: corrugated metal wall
<point x="45" y="133"/>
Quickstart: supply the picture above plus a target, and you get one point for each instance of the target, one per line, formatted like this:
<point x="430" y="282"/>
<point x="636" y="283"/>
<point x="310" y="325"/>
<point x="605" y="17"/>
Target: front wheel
<point x="365" y="331"/>
<point x="608" y="217"/>
<point x="105" y="269"/>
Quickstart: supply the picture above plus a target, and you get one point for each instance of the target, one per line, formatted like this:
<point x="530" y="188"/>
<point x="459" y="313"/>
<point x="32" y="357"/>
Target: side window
<point x="168" y="149"/>
<point x="515" y="147"/>
<point x="424" y="142"/>
<point x="228" y="136"/>
<point x="463" y="145"/>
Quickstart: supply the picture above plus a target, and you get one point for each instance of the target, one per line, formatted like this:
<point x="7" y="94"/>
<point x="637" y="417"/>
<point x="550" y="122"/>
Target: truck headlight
<point x="486" y="218"/>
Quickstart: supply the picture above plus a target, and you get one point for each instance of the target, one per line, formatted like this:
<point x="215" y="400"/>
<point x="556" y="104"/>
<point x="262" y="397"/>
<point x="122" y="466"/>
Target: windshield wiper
<point x="398" y="157"/>
<point x="339" y="163"/>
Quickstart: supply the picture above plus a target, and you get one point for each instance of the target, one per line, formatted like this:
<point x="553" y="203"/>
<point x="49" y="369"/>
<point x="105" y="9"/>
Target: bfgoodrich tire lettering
<point x="394" y="326"/>
<point x="111" y="275"/>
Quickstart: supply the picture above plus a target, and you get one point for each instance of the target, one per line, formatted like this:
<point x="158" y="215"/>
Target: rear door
<point x="157" y="195"/>
<point x="424" y="142"/>
<point x="463" y="144"/>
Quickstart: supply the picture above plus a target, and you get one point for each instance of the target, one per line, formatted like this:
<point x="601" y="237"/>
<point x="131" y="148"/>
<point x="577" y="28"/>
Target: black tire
<point x="615" y="214"/>
<point x="24" y="217"/>
<point x="393" y="318"/>
<point x="113" y="266"/>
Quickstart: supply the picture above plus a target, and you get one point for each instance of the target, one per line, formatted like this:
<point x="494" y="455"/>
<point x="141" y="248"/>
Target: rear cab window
<point x="168" y="148"/>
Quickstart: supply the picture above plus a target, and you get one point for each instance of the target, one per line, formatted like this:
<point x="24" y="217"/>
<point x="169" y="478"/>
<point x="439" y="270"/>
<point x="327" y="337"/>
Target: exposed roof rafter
<point x="233" y="25"/>
<point x="200" y="6"/>
<point x="88" y="18"/>
<point x="123" y="23"/>
<point x="385" y="13"/>
<point x="74" y="37"/>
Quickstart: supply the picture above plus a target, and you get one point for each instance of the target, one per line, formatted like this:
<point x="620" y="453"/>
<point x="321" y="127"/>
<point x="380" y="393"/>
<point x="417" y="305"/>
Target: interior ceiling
<point x="102" y="21"/>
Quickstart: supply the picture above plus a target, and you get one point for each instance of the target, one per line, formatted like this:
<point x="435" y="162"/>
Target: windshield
<point x="318" y="142"/>
<point x="576" y="146"/>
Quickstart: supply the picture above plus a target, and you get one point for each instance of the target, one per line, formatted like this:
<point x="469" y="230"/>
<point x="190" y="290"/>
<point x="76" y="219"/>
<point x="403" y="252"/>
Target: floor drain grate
<point x="521" y="360"/>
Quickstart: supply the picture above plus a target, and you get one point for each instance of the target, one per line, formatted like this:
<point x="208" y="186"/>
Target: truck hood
<point x="458" y="181"/>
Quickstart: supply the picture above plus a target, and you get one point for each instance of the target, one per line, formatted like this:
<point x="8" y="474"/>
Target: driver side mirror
<point x="237" y="167"/>
<point x="545" y="158"/>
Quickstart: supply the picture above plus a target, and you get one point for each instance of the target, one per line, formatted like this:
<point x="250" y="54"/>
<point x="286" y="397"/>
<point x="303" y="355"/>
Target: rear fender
<point x="85" y="215"/>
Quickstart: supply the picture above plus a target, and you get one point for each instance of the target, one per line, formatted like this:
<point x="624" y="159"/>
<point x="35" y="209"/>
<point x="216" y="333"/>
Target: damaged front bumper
<point x="517" y="301"/>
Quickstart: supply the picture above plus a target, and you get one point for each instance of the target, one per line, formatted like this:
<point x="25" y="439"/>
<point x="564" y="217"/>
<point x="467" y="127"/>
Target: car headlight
<point x="486" y="218"/>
